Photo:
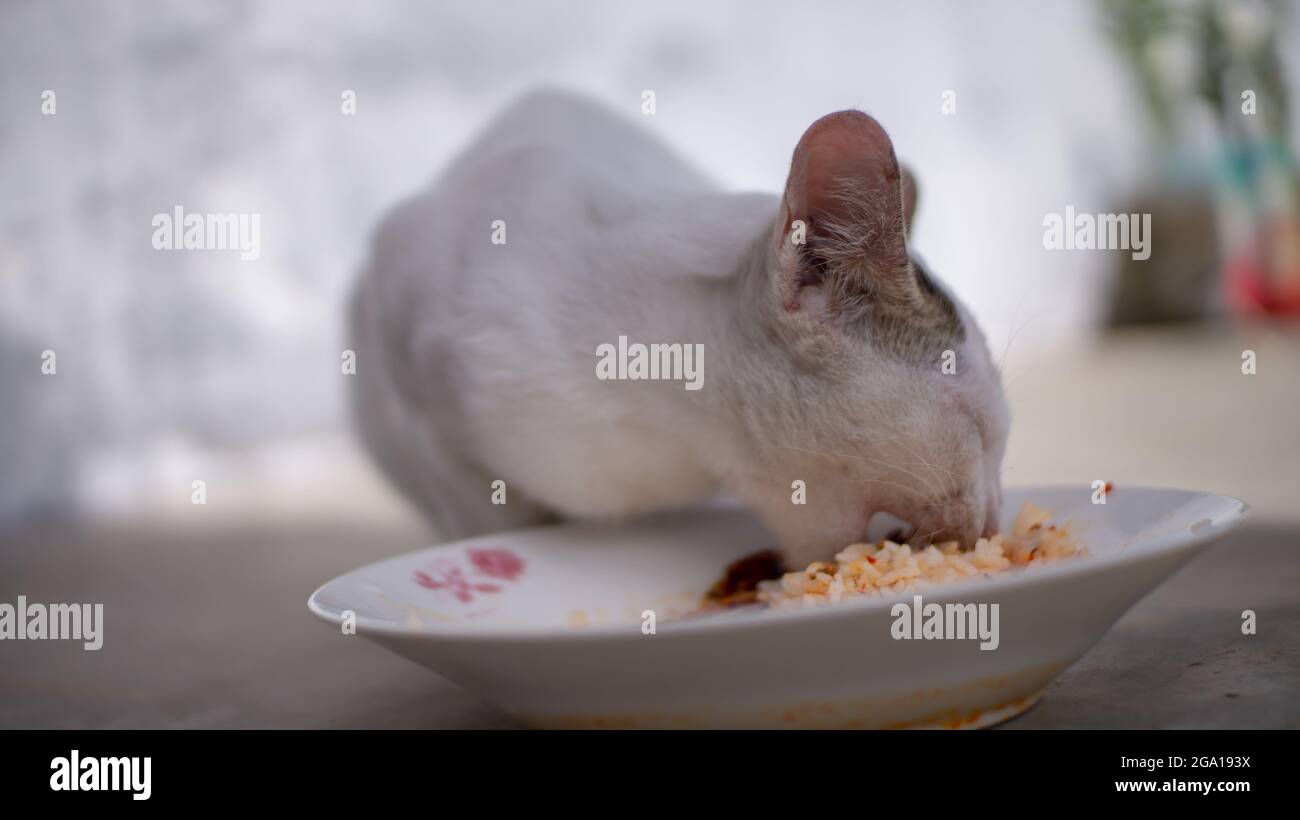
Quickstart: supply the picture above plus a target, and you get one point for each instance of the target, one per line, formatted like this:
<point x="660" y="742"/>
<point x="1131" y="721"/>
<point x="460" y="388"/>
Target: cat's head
<point x="878" y="392"/>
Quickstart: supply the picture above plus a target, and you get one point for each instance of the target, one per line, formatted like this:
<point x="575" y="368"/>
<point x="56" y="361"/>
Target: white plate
<point x="547" y="623"/>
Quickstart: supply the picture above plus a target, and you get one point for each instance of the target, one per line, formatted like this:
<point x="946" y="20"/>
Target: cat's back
<point x="553" y="165"/>
<point x="566" y="139"/>
<point x="524" y="207"/>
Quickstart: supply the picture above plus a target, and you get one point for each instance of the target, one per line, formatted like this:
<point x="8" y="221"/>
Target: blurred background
<point x="181" y="366"/>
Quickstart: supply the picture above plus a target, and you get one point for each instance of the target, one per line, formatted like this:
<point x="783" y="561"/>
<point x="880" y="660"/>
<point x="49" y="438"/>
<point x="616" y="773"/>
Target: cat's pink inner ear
<point x="845" y="153"/>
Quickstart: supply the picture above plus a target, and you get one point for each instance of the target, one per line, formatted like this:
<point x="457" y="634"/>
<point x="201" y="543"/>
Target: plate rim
<point x="1162" y="544"/>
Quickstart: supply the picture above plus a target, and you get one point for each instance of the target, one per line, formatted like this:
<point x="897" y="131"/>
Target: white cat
<point x="824" y="360"/>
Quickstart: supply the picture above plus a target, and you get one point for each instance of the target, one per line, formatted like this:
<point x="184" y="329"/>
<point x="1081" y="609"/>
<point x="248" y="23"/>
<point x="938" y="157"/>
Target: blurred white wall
<point x="235" y="107"/>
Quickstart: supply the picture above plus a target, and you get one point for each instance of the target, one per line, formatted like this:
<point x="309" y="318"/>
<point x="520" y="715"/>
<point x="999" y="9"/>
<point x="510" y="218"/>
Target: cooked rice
<point x="885" y="568"/>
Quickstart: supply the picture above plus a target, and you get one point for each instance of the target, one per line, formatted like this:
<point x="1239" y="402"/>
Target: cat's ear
<point x="847" y="205"/>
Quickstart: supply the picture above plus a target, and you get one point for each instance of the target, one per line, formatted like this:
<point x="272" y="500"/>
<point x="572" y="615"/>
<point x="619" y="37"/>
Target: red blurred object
<point x="1264" y="277"/>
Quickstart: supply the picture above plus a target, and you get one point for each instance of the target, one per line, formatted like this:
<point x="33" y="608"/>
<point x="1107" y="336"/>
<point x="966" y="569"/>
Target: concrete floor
<point x="207" y="626"/>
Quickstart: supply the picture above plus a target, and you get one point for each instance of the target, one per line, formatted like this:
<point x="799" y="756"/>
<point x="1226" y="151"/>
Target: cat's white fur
<point x="476" y="361"/>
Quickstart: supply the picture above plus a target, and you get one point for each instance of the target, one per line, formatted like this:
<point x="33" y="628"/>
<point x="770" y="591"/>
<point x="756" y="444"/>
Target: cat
<point x="832" y="358"/>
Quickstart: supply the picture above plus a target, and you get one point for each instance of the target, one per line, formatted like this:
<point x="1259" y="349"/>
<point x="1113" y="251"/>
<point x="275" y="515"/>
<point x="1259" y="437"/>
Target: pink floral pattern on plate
<point x="463" y="583"/>
<point x="497" y="563"/>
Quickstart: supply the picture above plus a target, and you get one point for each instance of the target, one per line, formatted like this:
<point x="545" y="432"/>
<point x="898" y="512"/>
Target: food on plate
<point x="878" y="569"/>
<point x="864" y="570"/>
<point x="739" y="583"/>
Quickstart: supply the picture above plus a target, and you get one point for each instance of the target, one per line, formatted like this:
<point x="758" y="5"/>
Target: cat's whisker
<point x="903" y="443"/>
<point x="891" y="483"/>
<point x="833" y="456"/>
